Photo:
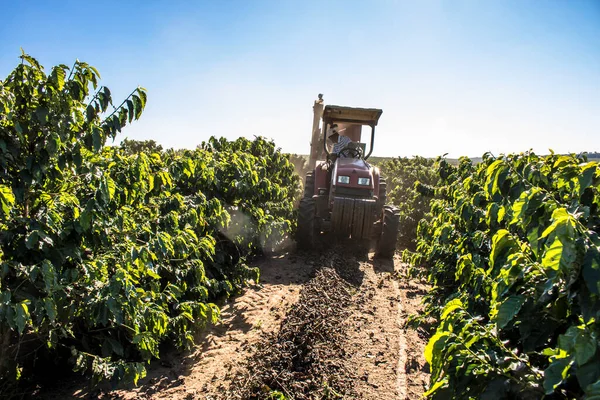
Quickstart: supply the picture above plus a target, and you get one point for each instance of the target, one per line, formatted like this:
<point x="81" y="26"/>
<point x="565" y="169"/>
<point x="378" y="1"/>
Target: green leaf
<point x="501" y="214"/>
<point x="117" y="348"/>
<point x="110" y="188"/>
<point x="52" y="144"/>
<point x="90" y="113"/>
<point x="130" y="110"/>
<point x="50" y="308"/>
<point x="592" y="392"/>
<point x="496" y="389"/>
<point x="97" y="139"/>
<point x="491" y="216"/>
<point x="496" y="178"/>
<point x="508" y="309"/>
<point x="7" y="200"/>
<point x="450" y="307"/>
<point x="32" y="61"/>
<point x="152" y="274"/>
<point x="588" y="373"/>
<point x="5" y="297"/>
<point x="553" y="255"/>
<point x="566" y="341"/>
<point x="21" y="316"/>
<point x="436" y="386"/>
<point x="526" y="205"/>
<point x="518" y="208"/>
<point x="591" y="270"/>
<point x="32" y="240"/>
<point x="502" y="244"/>
<point x="560" y="255"/>
<point x="49" y="275"/>
<point x="562" y="224"/>
<point x="116" y="125"/>
<point x="533" y="239"/>
<point x="556" y="374"/>
<point x="107" y="98"/>
<point x="586" y="176"/>
<point x="57" y="77"/>
<point x="103" y="100"/>
<point x="41" y="114"/>
<point x="19" y="129"/>
<point x="95" y="71"/>
<point x="85" y="219"/>
<point x="585" y="347"/>
<point x="77" y="159"/>
<point x="435" y="345"/>
<point x="142" y="93"/>
<point x="138" y="106"/>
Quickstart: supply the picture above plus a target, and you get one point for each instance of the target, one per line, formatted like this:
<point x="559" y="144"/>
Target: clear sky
<point x="457" y="77"/>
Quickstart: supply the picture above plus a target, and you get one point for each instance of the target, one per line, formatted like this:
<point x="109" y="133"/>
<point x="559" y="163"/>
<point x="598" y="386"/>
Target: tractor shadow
<point x="383" y="265"/>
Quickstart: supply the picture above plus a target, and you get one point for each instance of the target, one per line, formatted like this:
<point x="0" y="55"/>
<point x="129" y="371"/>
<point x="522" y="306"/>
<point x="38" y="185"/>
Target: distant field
<point x="454" y="161"/>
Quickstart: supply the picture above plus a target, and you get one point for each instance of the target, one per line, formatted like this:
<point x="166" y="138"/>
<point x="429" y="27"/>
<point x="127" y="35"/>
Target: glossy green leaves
<point x="110" y="251"/>
<point x="409" y="183"/>
<point x="524" y="260"/>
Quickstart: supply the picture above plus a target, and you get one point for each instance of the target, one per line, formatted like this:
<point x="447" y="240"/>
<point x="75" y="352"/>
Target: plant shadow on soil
<point x="285" y="268"/>
<point x="292" y="268"/>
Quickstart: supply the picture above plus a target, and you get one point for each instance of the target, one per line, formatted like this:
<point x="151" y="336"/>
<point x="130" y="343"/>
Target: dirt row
<point x="317" y="326"/>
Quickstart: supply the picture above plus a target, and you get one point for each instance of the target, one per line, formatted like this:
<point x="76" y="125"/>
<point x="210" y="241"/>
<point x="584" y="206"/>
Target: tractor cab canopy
<point x="351" y="115"/>
<point x="351" y="120"/>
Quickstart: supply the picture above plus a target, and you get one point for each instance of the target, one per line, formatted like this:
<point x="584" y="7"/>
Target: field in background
<point x="591" y="156"/>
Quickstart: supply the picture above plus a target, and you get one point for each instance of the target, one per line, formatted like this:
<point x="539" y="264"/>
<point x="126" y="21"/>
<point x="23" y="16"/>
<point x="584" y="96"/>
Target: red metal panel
<point x="354" y="168"/>
<point x="321" y="176"/>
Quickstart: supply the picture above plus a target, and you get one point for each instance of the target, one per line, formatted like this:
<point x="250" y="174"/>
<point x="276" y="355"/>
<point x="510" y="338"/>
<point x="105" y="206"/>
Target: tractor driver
<point x="340" y="141"/>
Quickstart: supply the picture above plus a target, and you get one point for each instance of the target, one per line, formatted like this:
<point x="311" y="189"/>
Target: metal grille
<point x="354" y="192"/>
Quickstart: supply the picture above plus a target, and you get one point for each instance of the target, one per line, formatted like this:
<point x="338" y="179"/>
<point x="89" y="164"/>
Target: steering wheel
<point x="350" y="152"/>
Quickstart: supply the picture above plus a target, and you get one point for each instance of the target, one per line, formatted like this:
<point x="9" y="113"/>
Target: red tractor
<point x="344" y="195"/>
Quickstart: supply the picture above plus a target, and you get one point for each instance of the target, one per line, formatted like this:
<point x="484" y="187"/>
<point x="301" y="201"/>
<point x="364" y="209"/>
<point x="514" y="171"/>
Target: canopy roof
<point x="354" y="115"/>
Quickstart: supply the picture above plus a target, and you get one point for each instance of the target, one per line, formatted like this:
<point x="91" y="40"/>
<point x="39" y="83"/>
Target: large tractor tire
<point x="309" y="185"/>
<point x="386" y="246"/>
<point x="306" y="230"/>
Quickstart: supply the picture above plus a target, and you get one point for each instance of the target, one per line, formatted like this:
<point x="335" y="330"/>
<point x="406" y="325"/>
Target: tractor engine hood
<point x="359" y="172"/>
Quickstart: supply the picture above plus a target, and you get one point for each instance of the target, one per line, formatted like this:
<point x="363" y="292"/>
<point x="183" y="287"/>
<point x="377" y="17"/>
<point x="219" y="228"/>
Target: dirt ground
<point x="327" y="325"/>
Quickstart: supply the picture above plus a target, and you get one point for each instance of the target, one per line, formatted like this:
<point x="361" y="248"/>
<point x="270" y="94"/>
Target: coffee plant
<point x="106" y="252"/>
<point x="512" y="252"/>
<point x="409" y="187"/>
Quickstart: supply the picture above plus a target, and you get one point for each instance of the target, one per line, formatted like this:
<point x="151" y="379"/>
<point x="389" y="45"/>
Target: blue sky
<point x="457" y="77"/>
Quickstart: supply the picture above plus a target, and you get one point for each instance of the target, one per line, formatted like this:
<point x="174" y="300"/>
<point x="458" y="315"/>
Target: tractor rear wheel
<point x="306" y="230"/>
<point x="309" y="185"/>
<point x="386" y="246"/>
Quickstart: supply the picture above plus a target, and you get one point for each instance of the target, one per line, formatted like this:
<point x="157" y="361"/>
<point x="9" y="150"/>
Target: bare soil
<point x="328" y="325"/>
<point x="414" y="339"/>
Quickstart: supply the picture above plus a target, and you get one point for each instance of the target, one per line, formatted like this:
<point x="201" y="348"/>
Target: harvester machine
<point x="344" y="195"/>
